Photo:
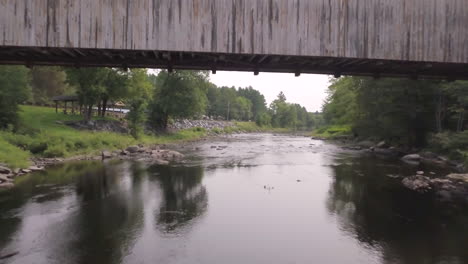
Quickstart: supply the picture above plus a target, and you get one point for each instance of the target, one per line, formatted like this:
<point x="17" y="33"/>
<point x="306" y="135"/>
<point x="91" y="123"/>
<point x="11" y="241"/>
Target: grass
<point x="41" y="135"/>
<point x="13" y="156"/>
<point x="330" y="132"/>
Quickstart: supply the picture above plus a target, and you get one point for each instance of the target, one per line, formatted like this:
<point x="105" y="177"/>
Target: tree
<point x="89" y="84"/>
<point x="139" y="90"/>
<point x="399" y="110"/>
<point x="14" y="89"/>
<point x="47" y="82"/>
<point x="180" y="94"/>
<point x="241" y="109"/>
<point x="116" y="87"/>
<point x="458" y="93"/>
<point x="256" y="98"/>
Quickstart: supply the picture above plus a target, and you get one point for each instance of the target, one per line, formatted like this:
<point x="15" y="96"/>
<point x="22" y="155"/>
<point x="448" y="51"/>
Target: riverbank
<point x="451" y="188"/>
<point x="45" y="138"/>
<point x="445" y="150"/>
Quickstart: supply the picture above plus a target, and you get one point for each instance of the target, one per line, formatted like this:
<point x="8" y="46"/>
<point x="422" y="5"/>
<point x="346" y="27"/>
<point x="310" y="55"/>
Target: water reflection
<point x="109" y="217"/>
<point x="405" y="227"/>
<point x="183" y="196"/>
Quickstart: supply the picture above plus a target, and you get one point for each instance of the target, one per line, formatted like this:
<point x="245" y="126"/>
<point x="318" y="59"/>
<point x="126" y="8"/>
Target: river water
<point x="262" y="198"/>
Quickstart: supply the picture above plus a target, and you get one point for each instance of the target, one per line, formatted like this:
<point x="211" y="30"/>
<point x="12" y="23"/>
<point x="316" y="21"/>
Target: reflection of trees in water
<point x="110" y="216"/>
<point x="40" y="187"/>
<point x="184" y="198"/>
<point x="377" y="211"/>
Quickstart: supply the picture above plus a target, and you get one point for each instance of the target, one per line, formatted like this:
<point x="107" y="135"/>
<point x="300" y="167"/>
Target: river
<point x="259" y="198"/>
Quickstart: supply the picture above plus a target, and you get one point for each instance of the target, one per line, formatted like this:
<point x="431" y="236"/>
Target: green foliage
<point x="12" y="155"/>
<point x="330" y="132"/>
<point x="89" y="85"/>
<point x="286" y="115"/>
<point x="397" y="110"/>
<point x="181" y="94"/>
<point x="137" y="100"/>
<point x="256" y="99"/>
<point x="47" y="82"/>
<point x="263" y="119"/>
<point x="136" y="117"/>
<point x="14" y="89"/>
<point x="453" y="144"/>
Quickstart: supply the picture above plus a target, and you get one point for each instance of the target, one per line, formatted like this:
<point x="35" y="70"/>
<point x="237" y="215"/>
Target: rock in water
<point x="172" y="155"/>
<point x="133" y="149"/>
<point x="106" y="154"/>
<point x="161" y="162"/>
<point x="36" y="168"/>
<point x="418" y="183"/>
<point x="459" y="177"/>
<point x="382" y="144"/>
<point x="4" y="170"/>
<point x="6" y="185"/>
<point x="412" y="157"/>
<point x="4" y="178"/>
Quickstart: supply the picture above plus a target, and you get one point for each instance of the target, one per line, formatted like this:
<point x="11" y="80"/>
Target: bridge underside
<point x="170" y="60"/>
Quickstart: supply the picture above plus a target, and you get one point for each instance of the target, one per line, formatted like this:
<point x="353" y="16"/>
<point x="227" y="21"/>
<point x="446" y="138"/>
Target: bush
<point x="13" y="156"/>
<point x="455" y="145"/>
<point x="264" y="119"/>
<point x="55" y="151"/>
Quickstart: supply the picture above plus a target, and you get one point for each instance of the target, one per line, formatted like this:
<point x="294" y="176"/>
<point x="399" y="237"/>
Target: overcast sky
<point x="307" y="89"/>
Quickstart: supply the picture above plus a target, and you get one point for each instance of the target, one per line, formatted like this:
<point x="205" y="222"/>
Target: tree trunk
<point x="461" y="121"/>
<point x="88" y="112"/>
<point x="99" y="108"/>
<point x="104" y="107"/>
<point x="439" y="114"/>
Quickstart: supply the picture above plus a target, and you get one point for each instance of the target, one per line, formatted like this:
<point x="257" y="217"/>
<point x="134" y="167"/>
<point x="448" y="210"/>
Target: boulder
<point x="6" y="185"/>
<point x="428" y="155"/>
<point x="26" y="170"/>
<point x="412" y="157"/>
<point x="385" y="151"/>
<point x="418" y="183"/>
<point x="4" y="178"/>
<point x="382" y="144"/>
<point x="35" y="168"/>
<point x="366" y="144"/>
<point x="160" y="162"/>
<point x="132" y="149"/>
<point x="172" y="155"/>
<point x="4" y="170"/>
<point x="458" y="177"/>
<point x="106" y="154"/>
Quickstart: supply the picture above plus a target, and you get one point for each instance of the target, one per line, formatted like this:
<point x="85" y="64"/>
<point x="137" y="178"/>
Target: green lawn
<point x="41" y="135"/>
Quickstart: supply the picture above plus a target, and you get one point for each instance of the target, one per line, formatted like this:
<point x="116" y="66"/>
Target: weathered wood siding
<point x="414" y="30"/>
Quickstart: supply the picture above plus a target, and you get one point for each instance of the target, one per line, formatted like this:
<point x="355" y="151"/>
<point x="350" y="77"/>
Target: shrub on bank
<point x="13" y="156"/>
<point x="455" y="145"/>
<point x="330" y="132"/>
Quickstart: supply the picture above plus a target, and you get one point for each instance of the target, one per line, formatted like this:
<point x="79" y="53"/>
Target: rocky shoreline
<point x="451" y="188"/>
<point x="406" y="155"/>
<point x="156" y="154"/>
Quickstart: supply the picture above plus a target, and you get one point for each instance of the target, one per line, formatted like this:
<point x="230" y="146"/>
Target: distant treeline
<point x="154" y="99"/>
